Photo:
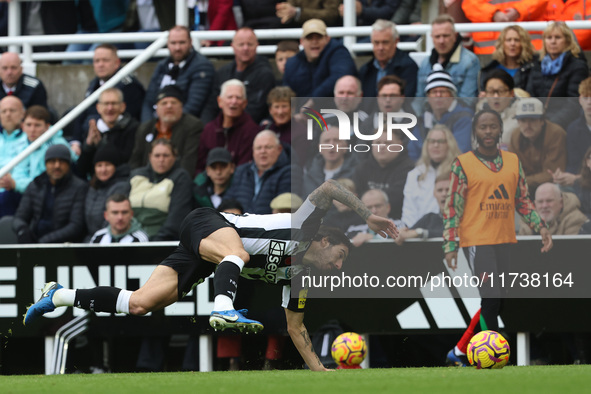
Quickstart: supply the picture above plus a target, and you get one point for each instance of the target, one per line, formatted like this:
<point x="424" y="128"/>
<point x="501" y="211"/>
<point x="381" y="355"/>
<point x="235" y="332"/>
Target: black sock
<point x="99" y="299"/>
<point x="225" y="279"/>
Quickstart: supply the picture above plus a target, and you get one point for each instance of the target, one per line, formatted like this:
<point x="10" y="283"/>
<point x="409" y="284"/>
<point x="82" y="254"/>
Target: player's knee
<point x="244" y="256"/>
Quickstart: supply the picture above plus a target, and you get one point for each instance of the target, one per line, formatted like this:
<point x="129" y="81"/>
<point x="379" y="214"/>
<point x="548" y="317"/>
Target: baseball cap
<point x="286" y="201"/>
<point x="170" y="91"/>
<point x="529" y="107"/>
<point x="218" y="155"/>
<point x="58" y="151"/>
<point x="314" y="26"/>
<point x="438" y="78"/>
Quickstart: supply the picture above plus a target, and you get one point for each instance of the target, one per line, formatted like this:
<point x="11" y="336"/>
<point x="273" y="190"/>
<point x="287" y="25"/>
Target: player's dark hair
<point x="486" y="111"/>
<point x="334" y="235"/>
<point x="230" y="203"/>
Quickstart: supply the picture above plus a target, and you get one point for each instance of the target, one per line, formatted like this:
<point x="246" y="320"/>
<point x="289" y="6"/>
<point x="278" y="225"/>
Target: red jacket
<point x="482" y="11"/>
<point x="571" y="10"/>
<point x="237" y="139"/>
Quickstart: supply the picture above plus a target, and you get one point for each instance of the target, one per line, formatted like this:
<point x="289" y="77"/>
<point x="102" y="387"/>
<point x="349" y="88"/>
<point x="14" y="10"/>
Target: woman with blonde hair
<point x="558" y="74"/>
<point x="438" y="152"/>
<point x="514" y="53"/>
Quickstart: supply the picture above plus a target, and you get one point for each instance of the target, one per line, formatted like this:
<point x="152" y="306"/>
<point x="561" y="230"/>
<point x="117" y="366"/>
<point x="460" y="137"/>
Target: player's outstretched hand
<point x="546" y="240"/>
<point x="382" y="226"/>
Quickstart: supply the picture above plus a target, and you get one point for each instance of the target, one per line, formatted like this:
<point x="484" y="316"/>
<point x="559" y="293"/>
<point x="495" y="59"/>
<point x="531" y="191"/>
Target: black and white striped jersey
<point x="103" y="236"/>
<point x="276" y="243"/>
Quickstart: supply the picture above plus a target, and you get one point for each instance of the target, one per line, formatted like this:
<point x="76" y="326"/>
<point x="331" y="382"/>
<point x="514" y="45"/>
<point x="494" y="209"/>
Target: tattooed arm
<point x="331" y="190"/>
<point x="301" y="339"/>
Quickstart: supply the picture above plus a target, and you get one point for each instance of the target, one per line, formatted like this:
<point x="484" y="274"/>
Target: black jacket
<point x="121" y="136"/>
<point x="68" y="209"/>
<point x="30" y="90"/>
<point x="561" y="107"/>
<point x="401" y="65"/>
<point x="258" y="78"/>
<point x="521" y="77"/>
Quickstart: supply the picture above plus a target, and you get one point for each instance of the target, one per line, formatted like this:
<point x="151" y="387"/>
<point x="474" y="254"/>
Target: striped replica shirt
<point x="103" y="236"/>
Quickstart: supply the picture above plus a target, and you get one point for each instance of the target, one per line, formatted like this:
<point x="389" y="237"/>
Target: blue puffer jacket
<point x="276" y="180"/>
<point x="195" y="80"/>
<point x="317" y="79"/>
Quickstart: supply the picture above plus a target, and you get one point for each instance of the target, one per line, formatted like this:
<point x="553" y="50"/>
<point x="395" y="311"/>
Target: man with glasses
<point x="114" y="126"/>
<point x="442" y="107"/>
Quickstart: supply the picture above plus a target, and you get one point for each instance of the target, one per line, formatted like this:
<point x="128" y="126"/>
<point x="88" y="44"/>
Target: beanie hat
<point x="58" y="151"/>
<point x="438" y="77"/>
<point x="170" y="91"/>
<point x="107" y="153"/>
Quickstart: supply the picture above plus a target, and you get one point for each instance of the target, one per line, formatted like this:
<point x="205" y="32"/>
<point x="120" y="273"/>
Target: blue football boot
<point x="456" y="361"/>
<point x="44" y="304"/>
<point x="221" y="320"/>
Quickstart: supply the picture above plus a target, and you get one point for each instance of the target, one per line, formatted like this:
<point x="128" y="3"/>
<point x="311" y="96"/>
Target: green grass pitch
<point x="535" y="379"/>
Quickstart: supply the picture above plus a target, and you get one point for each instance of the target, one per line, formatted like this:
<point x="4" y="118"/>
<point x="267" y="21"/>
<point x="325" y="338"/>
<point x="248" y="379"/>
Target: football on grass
<point x="488" y="350"/>
<point x="349" y="349"/>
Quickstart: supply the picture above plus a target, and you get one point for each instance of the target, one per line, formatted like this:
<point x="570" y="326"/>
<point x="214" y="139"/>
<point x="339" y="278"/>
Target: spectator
<point x="558" y="74"/>
<point x="106" y="63"/>
<point x="192" y="72"/>
<point x="442" y="107"/>
<point x="150" y="15"/>
<point x="578" y="138"/>
<point x="109" y="177"/>
<point x="369" y="11"/>
<point x="390" y="99"/>
<point x="172" y="123"/>
<point x="256" y="184"/>
<point x="387" y="60"/>
<point x="114" y="127"/>
<point x="122" y="227"/>
<point x="35" y="123"/>
<point x="232" y="129"/>
<point x="347" y="98"/>
<point x="560" y="211"/>
<point x="286" y="203"/>
<point x="221" y="17"/>
<point x="160" y="193"/>
<point x="14" y="83"/>
<point x="340" y="215"/>
<point x="429" y="225"/>
<point x="499" y="95"/>
<point x="582" y="186"/>
<point x="255" y="71"/>
<point x="483" y="11"/>
<point x="376" y="200"/>
<point x="437" y="155"/>
<point x="332" y="162"/>
<point x="12" y="141"/>
<point x="539" y="143"/>
<point x="296" y="12"/>
<point x="460" y="63"/>
<point x="279" y="102"/>
<point x="285" y="50"/>
<point x="211" y="185"/>
<point x="314" y="71"/>
<point x="514" y="53"/>
<point x="52" y="207"/>
<point x="386" y="169"/>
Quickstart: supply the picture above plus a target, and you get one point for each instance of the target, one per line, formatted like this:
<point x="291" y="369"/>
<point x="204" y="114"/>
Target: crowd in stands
<point x="236" y="138"/>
